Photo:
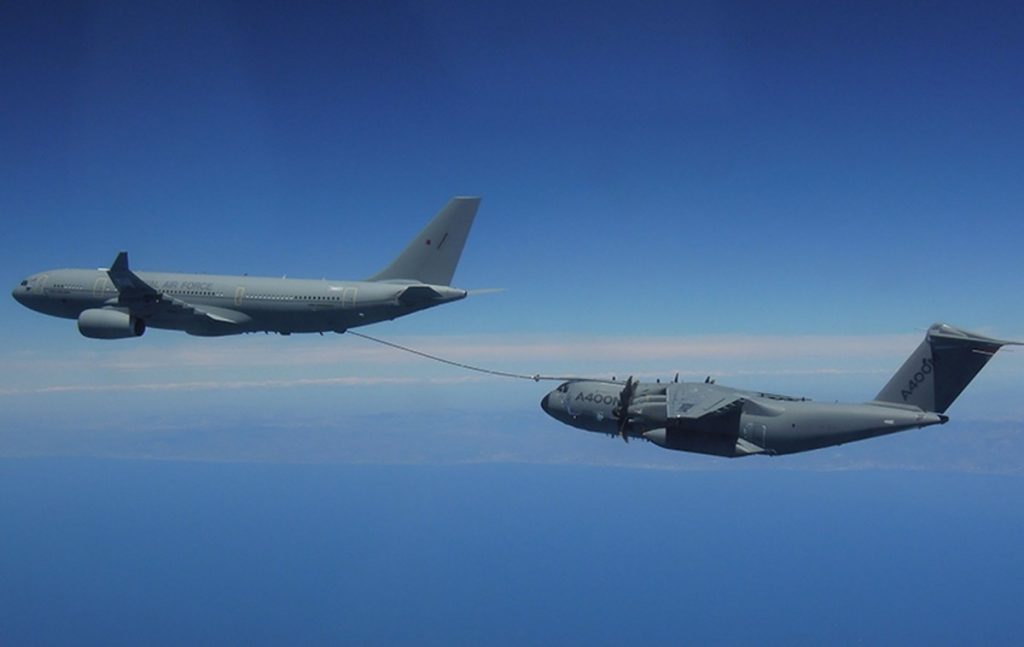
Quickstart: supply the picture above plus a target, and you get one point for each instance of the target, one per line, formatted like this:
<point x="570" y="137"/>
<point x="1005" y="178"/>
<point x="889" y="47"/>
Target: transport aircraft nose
<point x="544" y="403"/>
<point x="19" y="293"/>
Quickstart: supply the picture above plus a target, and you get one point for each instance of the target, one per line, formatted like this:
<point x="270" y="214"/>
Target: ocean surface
<point x="97" y="551"/>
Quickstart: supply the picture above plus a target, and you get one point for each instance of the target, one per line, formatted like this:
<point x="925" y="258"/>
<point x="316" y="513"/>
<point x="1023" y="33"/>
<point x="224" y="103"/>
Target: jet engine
<point x="101" y="323"/>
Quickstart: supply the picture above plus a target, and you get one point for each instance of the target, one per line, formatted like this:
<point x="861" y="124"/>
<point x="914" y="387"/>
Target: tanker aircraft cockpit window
<point x="24" y="283"/>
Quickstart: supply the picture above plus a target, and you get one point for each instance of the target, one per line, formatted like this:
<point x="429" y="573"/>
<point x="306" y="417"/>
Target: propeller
<point x="622" y="410"/>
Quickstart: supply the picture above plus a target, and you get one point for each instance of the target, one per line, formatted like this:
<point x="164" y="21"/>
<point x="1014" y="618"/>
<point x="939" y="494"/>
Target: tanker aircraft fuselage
<point x="116" y="302"/>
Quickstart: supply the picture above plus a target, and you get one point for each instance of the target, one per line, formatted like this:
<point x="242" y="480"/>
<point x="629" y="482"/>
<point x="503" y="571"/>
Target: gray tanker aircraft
<point x="706" y="418"/>
<point x="116" y="303"/>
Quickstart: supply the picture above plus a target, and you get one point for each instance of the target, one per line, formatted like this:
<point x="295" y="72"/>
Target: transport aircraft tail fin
<point x="432" y="255"/>
<point x="941" y="368"/>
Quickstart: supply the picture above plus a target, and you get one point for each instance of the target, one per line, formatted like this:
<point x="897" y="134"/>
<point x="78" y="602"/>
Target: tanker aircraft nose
<point x="21" y="292"/>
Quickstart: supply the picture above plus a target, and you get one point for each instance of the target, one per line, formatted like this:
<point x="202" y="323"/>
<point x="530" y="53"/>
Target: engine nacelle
<point x="100" y="323"/>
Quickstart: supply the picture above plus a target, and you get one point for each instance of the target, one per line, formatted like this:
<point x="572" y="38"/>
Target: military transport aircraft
<point x="707" y="418"/>
<point x="115" y="302"/>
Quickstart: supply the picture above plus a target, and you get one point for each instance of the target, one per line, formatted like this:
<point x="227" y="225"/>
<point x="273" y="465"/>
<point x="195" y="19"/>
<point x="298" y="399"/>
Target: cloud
<point x="256" y="352"/>
<point x="208" y="385"/>
<point x="258" y="362"/>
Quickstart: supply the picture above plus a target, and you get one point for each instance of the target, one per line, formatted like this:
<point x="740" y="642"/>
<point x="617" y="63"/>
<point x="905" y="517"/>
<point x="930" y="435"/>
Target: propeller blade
<point x="622" y="411"/>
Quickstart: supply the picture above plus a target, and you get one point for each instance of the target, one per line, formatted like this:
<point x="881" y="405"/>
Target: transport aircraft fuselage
<point x="708" y="418"/>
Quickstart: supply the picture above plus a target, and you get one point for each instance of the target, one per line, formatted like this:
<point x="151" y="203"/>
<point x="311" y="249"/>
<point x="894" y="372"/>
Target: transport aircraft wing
<point x="693" y="401"/>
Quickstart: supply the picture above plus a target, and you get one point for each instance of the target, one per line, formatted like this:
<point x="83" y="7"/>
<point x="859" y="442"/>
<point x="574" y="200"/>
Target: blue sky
<point x="725" y="175"/>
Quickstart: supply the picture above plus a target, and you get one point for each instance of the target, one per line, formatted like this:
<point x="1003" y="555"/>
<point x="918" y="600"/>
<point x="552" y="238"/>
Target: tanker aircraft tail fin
<point x="432" y="255"/>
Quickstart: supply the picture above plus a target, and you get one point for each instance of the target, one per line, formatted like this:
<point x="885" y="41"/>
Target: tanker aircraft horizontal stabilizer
<point x="117" y="302"/>
<point x="707" y="418"/>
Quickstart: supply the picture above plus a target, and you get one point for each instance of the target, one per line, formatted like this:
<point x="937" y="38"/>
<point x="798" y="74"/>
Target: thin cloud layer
<point x="315" y="352"/>
<point x="262" y="363"/>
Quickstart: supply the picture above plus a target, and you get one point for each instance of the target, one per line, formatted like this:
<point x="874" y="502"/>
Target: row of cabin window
<point x="294" y="297"/>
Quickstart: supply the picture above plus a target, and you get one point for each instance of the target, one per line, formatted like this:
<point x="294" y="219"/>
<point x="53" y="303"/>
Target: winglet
<point x="124" y="279"/>
<point x="120" y="263"/>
